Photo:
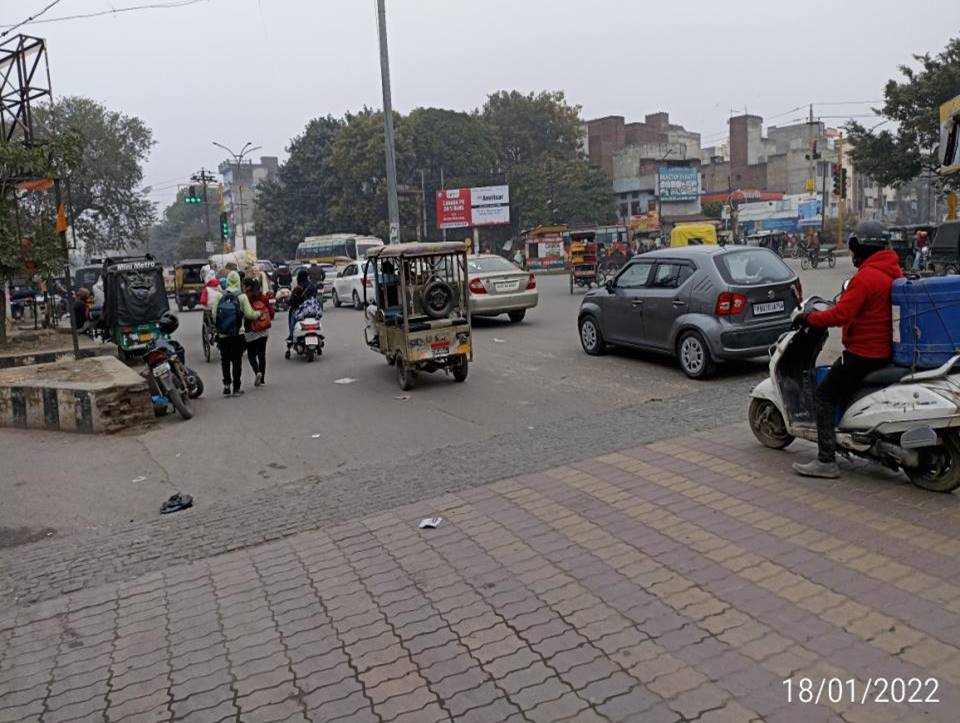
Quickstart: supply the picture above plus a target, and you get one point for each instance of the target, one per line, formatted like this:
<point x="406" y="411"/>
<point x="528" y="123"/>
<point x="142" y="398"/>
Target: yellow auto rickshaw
<point x="693" y="234"/>
<point x="188" y="282"/>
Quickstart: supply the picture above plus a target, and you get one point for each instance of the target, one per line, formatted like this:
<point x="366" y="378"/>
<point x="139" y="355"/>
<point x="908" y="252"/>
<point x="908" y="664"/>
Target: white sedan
<point x="349" y="282"/>
<point x="498" y="286"/>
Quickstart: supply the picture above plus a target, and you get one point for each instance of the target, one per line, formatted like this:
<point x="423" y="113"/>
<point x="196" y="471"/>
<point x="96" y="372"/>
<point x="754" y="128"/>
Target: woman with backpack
<point x="258" y="330"/>
<point x="229" y="313"/>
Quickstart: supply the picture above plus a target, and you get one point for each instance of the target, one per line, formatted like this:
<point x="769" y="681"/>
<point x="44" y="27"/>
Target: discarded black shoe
<point x="176" y="503"/>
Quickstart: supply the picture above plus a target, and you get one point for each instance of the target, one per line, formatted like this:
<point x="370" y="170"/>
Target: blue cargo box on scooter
<point x="926" y="321"/>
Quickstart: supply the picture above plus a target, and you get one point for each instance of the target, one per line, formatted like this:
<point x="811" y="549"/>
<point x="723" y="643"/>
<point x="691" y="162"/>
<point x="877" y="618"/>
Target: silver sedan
<point x="498" y="286"/>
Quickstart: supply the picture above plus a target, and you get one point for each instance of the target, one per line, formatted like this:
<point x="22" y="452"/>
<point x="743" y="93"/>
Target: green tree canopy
<point x="528" y="128"/>
<point x="893" y="156"/>
<point x="109" y="207"/>
<point x="713" y="209"/>
<point x="182" y="231"/>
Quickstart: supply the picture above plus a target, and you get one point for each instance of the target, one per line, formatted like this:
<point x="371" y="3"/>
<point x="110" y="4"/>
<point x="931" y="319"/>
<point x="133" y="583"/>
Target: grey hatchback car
<point x="702" y="304"/>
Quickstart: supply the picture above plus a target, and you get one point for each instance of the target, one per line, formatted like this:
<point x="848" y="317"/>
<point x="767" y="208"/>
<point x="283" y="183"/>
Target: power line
<point x="113" y="11"/>
<point x="32" y="18"/>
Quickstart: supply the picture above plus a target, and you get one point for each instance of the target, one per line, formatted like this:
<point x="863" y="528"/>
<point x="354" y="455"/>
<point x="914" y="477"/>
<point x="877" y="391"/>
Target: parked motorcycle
<point x="898" y="417"/>
<point x="170" y="379"/>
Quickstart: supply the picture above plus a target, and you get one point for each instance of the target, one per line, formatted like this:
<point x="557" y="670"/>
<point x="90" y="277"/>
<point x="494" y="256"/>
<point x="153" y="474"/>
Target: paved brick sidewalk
<point x="681" y="580"/>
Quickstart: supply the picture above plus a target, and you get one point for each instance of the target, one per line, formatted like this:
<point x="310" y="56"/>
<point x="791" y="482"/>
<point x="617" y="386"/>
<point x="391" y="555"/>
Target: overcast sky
<point x="258" y="70"/>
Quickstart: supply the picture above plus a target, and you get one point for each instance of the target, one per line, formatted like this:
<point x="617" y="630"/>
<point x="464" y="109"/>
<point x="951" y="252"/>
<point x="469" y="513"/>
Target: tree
<point x="459" y="144"/>
<point x="713" y="209"/>
<point x="296" y="203"/>
<point x="110" y="209"/>
<point x="528" y="128"/>
<point x="893" y="157"/>
<point x="561" y="192"/>
<point x="182" y="232"/>
<point x="29" y="243"/>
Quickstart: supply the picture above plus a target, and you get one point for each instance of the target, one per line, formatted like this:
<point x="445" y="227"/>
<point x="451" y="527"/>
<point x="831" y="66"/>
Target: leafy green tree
<point x="568" y="191"/>
<point x="460" y="144"/>
<point x="110" y="209"/>
<point x="894" y="156"/>
<point x="713" y="209"/>
<point x="296" y="203"/>
<point x="530" y="127"/>
<point x="28" y="218"/>
<point x="182" y="231"/>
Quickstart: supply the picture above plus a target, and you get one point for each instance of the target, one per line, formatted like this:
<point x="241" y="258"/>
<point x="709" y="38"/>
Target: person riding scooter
<point x="865" y="315"/>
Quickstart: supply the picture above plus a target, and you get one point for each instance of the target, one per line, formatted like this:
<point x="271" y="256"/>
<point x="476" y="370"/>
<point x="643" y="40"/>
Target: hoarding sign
<point x="679" y="184"/>
<point x="482" y="206"/>
<point x="950" y="136"/>
<point x="809" y="213"/>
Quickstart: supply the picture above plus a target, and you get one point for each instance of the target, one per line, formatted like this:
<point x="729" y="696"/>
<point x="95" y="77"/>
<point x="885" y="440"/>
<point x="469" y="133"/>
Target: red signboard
<point x="453" y="208"/>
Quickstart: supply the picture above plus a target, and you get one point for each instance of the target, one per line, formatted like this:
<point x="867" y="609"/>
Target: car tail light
<point x="729" y="304"/>
<point x="476" y="286"/>
<point x="798" y="291"/>
<point x="531" y="282"/>
<point x="368" y="282"/>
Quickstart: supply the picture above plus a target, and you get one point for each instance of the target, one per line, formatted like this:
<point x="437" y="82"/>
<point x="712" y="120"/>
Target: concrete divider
<point x="94" y="395"/>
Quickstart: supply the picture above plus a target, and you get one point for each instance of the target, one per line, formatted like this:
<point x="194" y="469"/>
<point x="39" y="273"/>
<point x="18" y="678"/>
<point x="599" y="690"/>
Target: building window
<point x="623" y="210"/>
<point x="635" y="208"/>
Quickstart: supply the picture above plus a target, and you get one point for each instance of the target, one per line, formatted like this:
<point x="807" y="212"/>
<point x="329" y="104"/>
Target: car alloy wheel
<point x="590" y="337"/>
<point x="695" y="356"/>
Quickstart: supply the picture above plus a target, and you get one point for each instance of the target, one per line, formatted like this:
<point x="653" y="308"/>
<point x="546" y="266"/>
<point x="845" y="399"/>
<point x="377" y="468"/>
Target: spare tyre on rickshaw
<point x="418" y="313"/>
<point x="134" y="300"/>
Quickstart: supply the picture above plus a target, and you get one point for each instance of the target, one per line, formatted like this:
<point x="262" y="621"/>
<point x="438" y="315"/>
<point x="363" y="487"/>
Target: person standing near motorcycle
<point x="229" y="313"/>
<point x="258" y="330"/>
<point x="865" y="314"/>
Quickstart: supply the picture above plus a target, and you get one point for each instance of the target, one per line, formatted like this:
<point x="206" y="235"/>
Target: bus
<point x="336" y="248"/>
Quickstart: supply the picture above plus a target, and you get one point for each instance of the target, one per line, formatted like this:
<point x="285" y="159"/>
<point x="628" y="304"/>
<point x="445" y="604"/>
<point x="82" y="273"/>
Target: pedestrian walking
<point x="258" y="330"/>
<point x="230" y="312"/>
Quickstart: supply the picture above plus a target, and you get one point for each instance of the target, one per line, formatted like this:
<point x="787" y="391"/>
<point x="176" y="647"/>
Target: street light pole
<point x="660" y="196"/>
<point x="238" y="157"/>
<point x="393" y="207"/>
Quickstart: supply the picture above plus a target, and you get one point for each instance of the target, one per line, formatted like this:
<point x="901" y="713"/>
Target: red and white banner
<point x="462" y="207"/>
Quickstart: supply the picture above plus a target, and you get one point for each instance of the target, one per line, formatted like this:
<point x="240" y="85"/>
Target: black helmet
<point x="870" y="233"/>
<point x="169" y="322"/>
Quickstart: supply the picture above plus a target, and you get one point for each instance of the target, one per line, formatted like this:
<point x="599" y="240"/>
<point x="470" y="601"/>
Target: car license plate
<point x="311" y="341"/>
<point x="768" y="307"/>
<point x="160" y="369"/>
<point x="440" y="350"/>
<point x="507" y="285"/>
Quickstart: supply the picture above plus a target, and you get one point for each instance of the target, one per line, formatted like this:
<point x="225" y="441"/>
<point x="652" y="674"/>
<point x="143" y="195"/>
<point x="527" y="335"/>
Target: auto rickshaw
<point x="693" y="234"/>
<point x="134" y="301"/>
<point x="188" y="282"/>
<point x="583" y="260"/>
<point x="419" y="314"/>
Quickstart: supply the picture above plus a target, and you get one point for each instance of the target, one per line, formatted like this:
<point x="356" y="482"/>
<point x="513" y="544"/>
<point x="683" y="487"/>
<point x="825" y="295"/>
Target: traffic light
<point x="224" y="227"/>
<point x="192" y="196"/>
<point x="835" y="172"/>
<point x="843" y="183"/>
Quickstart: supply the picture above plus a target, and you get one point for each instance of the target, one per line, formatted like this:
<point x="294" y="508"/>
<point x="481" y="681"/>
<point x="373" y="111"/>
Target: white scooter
<point x="307" y="338"/>
<point x="897" y="417"/>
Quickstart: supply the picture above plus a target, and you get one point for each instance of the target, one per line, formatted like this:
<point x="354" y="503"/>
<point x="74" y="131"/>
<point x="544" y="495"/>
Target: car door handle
<point x="677" y="304"/>
<point x="637" y="302"/>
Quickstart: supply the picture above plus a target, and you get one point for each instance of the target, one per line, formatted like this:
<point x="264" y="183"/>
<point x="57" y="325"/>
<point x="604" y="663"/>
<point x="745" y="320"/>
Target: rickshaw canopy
<point x="134" y="292"/>
<point x="410" y="250"/>
<point x="693" y="234"/>
<point x="186" y="263"/>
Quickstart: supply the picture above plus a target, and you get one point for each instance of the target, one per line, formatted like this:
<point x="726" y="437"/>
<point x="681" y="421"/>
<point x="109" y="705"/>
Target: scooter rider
<point x="865" y="315"/>
<point x="303" y="291"/>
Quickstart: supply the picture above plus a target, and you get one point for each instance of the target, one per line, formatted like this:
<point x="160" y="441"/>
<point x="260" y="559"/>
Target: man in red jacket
<point x="865" y="314"/>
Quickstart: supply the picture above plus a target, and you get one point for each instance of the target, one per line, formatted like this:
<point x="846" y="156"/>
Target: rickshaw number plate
<point x="146" y="336"/>
<point x="771" y="307"/>
<point x="440" y="350"/>
<point x="160" y="369"/>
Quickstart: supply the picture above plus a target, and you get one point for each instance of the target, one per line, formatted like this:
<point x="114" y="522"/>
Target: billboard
<point x="808" y="213"/>
<point x="678" y="184"/>
<point x="481" y="206"/>
<point x="950" y="136"/>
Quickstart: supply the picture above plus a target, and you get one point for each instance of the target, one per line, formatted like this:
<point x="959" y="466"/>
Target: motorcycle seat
<point x="884" y="377"/>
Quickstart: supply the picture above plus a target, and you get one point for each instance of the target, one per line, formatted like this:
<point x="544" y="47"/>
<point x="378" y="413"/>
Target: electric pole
<point x="203" y="177"/>
<point x="843" y="194"/>
<point x="238" y="157"/>
<point x="393" y="207"/>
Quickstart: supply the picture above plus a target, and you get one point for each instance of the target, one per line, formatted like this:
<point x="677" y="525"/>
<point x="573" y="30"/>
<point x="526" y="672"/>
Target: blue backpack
<point x="229" y="315"/>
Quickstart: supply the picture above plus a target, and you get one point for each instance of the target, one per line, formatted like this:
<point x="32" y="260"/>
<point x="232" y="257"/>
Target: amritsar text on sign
<point x="483" y="206"/>
<point x="679" y="184"/>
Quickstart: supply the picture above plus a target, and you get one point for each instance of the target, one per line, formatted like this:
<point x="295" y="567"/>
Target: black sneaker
<point x="226" y="391"/>
<point x="238" y="392"/>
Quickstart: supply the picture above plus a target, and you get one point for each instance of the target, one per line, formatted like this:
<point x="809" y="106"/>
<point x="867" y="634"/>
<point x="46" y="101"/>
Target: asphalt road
<point x="530" y="389"/>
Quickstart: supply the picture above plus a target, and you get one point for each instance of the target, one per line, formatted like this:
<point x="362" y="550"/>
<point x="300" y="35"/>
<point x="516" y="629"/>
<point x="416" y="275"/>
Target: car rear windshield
<point x="494" y="263"/>
<point x="752" y="267"/>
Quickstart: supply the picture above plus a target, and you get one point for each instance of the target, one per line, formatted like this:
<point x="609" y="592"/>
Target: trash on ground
<point x="139" y="478"/>
<point x="402" y="397"/>
<point x="430" y="523"/>
<point x="175" y="503"/>
<point x="315" y="436"/>
<point x="344" y="380"/>
<point x="497" y="340"/>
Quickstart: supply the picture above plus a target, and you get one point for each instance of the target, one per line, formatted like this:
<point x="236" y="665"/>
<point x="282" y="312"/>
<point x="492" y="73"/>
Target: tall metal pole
<point x="243" y="229"/>
<point x="68" y="281"/>
<point x="393" y="206"/>
<point x="842" y="197"/>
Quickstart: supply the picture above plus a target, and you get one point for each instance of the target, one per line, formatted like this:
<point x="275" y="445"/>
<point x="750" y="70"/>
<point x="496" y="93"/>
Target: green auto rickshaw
<point x="134" y="300"/>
